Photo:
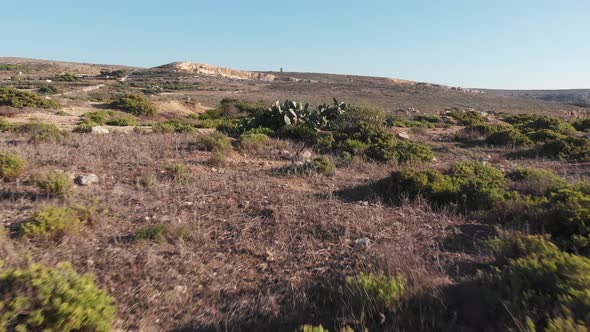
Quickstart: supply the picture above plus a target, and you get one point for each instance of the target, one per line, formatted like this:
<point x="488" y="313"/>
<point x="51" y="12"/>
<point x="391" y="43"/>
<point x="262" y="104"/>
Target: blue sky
<point x="469" y="43"/>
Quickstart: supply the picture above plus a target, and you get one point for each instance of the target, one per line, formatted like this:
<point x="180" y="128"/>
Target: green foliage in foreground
<point x="20" y="99"/>
<point x="41" y="298"/>
<point x="371" y="294"/>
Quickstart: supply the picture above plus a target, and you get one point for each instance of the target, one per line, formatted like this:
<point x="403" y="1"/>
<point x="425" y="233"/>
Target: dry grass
<point x="249" y="248"/>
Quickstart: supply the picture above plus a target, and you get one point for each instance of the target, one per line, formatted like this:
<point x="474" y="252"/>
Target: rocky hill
<point x="209" y="70"/>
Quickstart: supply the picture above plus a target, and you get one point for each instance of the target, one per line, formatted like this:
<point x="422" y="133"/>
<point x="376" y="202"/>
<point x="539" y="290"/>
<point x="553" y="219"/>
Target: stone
<point x="286" y="154"/>
<point x="305" y="155"/>
<point x="86" y="179"/>
<point x="363" y="241"/>
<point x="99" y="130"/>
<point x="403" y="135"/>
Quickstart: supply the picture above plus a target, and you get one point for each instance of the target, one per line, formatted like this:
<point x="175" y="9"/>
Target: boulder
<point x="86" y="179"/>
<point x="403" y="135"/>
<point x="99" y="130"/>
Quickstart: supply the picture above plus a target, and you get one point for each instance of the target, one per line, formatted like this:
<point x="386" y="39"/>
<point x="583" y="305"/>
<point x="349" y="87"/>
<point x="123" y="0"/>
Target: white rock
<point x="305" y="155"/>
<point x="86" y="179"/>
<point x="363" y="241"/>
<point x="403" y="135"/>
<point x="99" y="130"/>
<point x="286" y="154"/>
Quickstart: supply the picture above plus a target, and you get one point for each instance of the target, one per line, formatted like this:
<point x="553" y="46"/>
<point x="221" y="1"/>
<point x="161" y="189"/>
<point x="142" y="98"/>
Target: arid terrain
<point x="203" y="214"/>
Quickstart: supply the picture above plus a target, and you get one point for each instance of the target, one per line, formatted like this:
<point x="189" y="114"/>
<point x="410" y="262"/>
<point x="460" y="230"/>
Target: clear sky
<point x="469" y="43"/>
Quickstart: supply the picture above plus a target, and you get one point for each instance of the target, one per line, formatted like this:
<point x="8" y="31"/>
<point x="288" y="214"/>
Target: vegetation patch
<point x="11" y="166"/>
<point x="55" y="221"/>
<point x="372" y="294"/>
<point x="53" y="184"/>
<point x="41" y="298"/>
<point x="40" y="132"/>
<point x="135" y="104"/>
<point x="173" y="126"/>
<point x="20" y="99"/>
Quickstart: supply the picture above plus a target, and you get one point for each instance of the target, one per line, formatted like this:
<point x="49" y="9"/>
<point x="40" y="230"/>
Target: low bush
<point x="535" y="181"/>
<point x="11" y="166"/>
<point x="41" y="298"/>
<point x="472" y="185"/>
<point x="173" y="126"/>
<point x="135" y="104"/>
<point x="214" y="141"/>
<point x="582" y="125"/>
<point x="110" y="118"/>
<point x="19" y="99"/>
<point x="55" y="221"/>
<point x="544" y="135"/>
<point x="48" y="90"/>
<point x="369" y="114"/>
<point x="538" y="288"/>
<point x="570" y="148"/>
<point x="323" y="165"/>
<point x="412" y="153"/>
<point x="299" y="133"/>
<point x="466" y="118"/>
<point x="508" y="137"/>
<point x="40" y="132"/>
<point x="251" y="141"/>
<point x="372" y="294"/>
<point x="154" y="233"/>
<point x="529" y="123"/>
<point x="67" y="77"/>
<point x="53" y="184"/>
<point x="5" y="125"/>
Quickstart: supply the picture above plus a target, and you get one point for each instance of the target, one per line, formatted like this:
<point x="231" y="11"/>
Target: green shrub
<point x="67" y="77"/>
<point x="250" y="141"/>
<point x="544" y="135"/>
<point x="312" y="328"/>
<point x="354" y="114"/>
<point x="570" y="148"/>
<point x="372" y="294"/>
<point x="214" y="141"/>
<point x="529" y="123"/>
<point x="135" y="104"/>
<point x="11" y="166"/>
<point x="299" y="133"/>
<point x="53" y="220"/>
<point x="509" y="246"/>
<point x="323" y="165"/>
<point x="466" y="118"/>
<point x="48" y="90"/>
<point x="479" y="184"/>
<point x="176" y="170"/>
<point x="538" y="288"/>
<point x="484" y="129"/>
<point x="19" y="99"/>
<point x="508" y="137"/>
<point x="40" y="132"/>
<point x="535" y="181"/>
<point x="173" y="126"/>
<point x="109" y="118"/>
<point x="5" y="125"/>
<point x="41" y="298"/>
<point x="411" y="153"/>
<point x="472" y="185"/>
<point x="154" y="233"/>
<point x="53" y="184"/>
<point x="566" y="216"/>
<point x="565" y="325"/>
<point x="352" y="146"/>
<point x="324" y="142"/>
<point x="582" y="125"/>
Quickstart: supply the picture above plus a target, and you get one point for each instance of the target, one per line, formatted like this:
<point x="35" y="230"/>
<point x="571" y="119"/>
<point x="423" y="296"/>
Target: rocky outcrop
<point x="203" y="69"/>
